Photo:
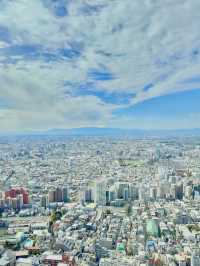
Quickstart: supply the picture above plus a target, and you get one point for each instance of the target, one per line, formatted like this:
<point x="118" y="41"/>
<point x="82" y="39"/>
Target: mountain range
<point x="112" y="132"/>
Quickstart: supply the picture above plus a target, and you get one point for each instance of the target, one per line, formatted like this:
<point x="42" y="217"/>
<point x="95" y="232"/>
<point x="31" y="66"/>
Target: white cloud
<point x="35" y="99"/>
<point x="139" y="42"/>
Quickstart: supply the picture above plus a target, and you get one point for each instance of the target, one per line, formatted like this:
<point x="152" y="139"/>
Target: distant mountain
<point x="88" y="131"/>
<point x="95" y="131"/>
<point x="116" y="132"/>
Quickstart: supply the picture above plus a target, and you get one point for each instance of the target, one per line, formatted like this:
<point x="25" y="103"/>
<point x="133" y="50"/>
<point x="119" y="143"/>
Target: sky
<point x="99" y="63"/>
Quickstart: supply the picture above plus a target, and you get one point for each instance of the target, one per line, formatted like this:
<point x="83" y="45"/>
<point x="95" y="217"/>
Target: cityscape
<point x="100" y="201"/>
<point x="99" y="132"/>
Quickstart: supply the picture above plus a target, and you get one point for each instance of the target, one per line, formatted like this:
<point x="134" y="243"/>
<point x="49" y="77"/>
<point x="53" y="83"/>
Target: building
<point x="15" y="192"/>
<point x="65" y="194"/>
<point x="100" y="192"/>
<point x="51" y="196"/>
<point x="58" y="194"/>
<point x="44" y="201"/>
<point x="152" y="228"/>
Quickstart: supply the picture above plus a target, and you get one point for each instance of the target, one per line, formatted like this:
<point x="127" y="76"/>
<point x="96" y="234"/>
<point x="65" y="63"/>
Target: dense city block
<point x="99" y="201"/>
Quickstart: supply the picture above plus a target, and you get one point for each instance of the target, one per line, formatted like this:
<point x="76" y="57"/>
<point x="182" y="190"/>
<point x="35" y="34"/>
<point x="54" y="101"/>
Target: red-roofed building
<point x="14" y="192"/>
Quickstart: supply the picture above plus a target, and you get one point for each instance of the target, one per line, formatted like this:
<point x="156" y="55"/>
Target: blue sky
<point x="99" y="63"/>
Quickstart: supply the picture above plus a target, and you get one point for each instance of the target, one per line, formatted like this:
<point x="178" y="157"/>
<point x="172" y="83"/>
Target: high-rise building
<point x="14" y="203"/>
<point x="8" y="202"/>
<point x="143" y="193"/>
<point x="133" y="190"/>
<point x="58" y="195"/>
<point x="51" y="196"/>
<point x="87" y="195"/>
<point x="162" y="190"/>
<point x="65" y="194"/>
<point x="14" y="192"/>
<point x="44" y="201"/>
<point x="20" y="201"/>
<point x="179" y="191"/>
<point x="25" y="198"/>
<point x="112" y="195"/>
<point x="126" y="194"/>
<point x="121" y="186"/>
<point x="153" y="193"/>
<point x="100" y="192"/>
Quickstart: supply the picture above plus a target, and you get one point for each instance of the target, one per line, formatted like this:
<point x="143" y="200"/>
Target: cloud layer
<point x="71" y="63"/>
